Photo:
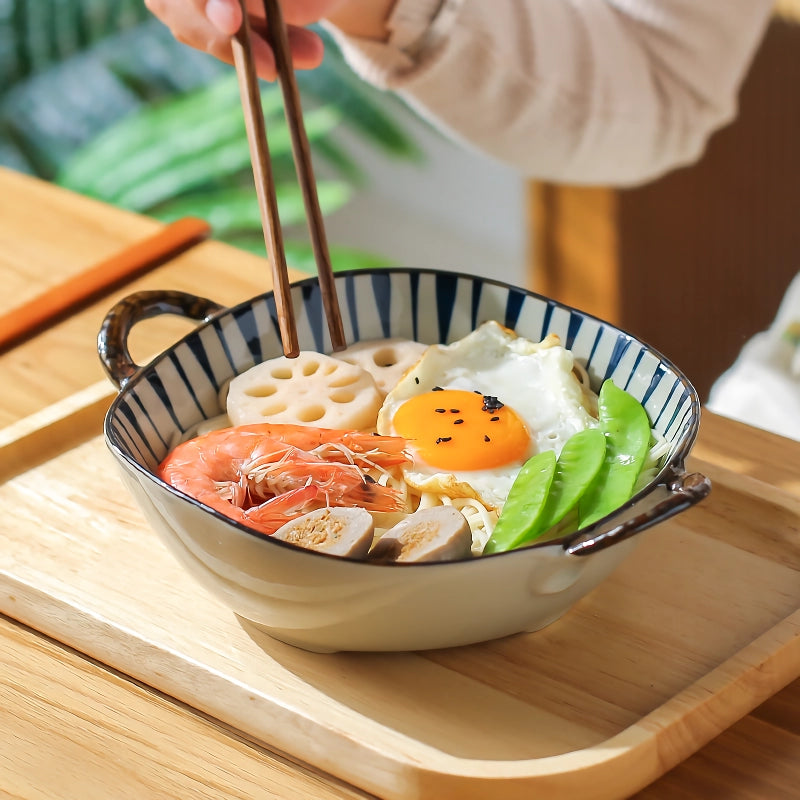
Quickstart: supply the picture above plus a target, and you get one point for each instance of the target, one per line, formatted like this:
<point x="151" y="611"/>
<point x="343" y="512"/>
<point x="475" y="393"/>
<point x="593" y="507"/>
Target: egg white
<point x="535" y="379"/>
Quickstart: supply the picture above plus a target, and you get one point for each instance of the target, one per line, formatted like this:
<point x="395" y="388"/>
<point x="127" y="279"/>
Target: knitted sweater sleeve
<point x="576" y="91"/>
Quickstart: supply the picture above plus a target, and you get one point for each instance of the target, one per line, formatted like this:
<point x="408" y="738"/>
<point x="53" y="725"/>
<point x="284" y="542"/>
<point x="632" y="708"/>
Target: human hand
<point x="209" y="25"/>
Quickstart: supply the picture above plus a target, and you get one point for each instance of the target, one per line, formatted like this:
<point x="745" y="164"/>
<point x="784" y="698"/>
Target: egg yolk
<point x="458" y="430"/>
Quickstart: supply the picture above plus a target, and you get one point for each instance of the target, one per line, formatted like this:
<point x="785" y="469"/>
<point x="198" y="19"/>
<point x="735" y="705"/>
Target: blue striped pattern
<point x="181" y="388"/>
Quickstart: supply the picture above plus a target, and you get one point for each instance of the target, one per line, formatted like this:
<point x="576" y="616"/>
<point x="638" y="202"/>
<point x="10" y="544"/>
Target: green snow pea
<point x="625" y="424"/>
<point x="525" y="503"/>
<point x="580" y="461"/>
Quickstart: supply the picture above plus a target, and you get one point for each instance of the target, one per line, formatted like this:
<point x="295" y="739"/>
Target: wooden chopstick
<point x="277" y="37"/>
<point x="77" y="290"/>
<point x="265" y="183"/>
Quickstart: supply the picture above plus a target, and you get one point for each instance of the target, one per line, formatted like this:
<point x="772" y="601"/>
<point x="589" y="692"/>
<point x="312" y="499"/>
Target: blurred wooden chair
<point x="696" y="262"/>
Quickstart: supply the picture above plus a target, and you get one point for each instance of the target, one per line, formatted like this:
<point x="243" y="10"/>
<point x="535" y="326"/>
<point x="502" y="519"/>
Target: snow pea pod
<point x="525" y="503"/>
<point x="625" y="424"/>
<point x="578" y="464"/>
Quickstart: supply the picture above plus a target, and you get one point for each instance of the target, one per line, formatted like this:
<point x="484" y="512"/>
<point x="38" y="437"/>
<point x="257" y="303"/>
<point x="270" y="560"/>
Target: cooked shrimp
<point x="265" y="474"/>
<point x="272" y="514"/>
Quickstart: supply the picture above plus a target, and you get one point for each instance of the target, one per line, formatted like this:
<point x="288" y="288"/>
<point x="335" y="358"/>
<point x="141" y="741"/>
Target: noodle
<point x="481" y="519"/>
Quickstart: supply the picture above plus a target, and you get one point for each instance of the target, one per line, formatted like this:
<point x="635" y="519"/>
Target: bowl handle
<point x="112" y="341"/>
<point x="685" y="489"/>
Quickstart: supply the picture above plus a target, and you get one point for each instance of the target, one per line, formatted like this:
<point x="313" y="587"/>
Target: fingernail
<point x="224" y="15"/>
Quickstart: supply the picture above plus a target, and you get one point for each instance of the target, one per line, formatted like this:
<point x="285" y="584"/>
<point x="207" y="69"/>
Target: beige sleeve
<point x="578" y="91"/>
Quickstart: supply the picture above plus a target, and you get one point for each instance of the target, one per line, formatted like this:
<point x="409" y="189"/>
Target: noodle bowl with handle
<point x="327" y="603"/>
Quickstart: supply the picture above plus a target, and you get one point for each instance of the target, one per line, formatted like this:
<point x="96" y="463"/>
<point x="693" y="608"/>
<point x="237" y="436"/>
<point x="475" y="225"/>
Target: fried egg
<point x="474" y="411"/>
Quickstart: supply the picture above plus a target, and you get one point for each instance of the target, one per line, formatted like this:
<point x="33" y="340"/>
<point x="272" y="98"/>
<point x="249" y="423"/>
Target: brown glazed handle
<point x="112" y="341"/>
<point x="686" y="490"/>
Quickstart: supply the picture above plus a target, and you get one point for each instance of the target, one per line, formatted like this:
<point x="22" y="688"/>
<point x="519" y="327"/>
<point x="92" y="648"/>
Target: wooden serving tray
<point x="695" y="629"/>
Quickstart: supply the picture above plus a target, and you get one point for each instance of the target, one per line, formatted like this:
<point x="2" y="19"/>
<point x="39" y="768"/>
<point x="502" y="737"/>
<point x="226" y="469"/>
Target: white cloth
<point x="762" y="387"/>
<point x="612" y="92"/>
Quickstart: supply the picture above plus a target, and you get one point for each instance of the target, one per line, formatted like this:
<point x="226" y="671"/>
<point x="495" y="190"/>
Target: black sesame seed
<point x="443" y="439"/>
<point x="437" y="389"/>
<point x="455" y="410"/>
<point x="439" y="410"/>
<point x="458" y="422"/>
<point x="416" y="380"/>
<point x="494" y="419"/>
<point x="491" y="403"/>
<point x="486" y="438"/>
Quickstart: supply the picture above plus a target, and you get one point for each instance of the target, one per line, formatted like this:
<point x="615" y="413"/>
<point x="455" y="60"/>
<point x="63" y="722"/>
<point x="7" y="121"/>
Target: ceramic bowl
<point x="326" y="603"/>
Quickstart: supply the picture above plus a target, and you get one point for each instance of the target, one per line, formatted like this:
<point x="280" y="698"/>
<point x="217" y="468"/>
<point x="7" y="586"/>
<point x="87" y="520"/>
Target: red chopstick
<point x="52" y="304"/>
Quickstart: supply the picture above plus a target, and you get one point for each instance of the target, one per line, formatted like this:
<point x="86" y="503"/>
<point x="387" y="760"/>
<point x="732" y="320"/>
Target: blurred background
<point x="98" y="97"/>
<point x="695" y="263"/>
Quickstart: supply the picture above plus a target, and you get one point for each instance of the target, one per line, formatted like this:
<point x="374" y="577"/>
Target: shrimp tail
<point x="277" y="511"/>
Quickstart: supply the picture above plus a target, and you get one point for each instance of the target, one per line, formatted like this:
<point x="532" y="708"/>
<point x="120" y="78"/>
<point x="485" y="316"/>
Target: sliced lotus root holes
<point x="312" y="389"/>
<point x="385" y="359"/>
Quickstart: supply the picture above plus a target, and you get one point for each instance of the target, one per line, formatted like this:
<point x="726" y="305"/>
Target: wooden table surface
<point x="74" y="728"/>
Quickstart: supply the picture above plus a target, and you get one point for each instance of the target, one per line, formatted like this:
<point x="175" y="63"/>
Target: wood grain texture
<point x="80" y="231"/>
<point x="758" y="758"/>
<point x="691" y="633"/>
<point x="754" y="760"/>
<point x="72" y="728"/>
<point x="575" y="256"/>
<point x="27" y="318"/>
<point x="250" y="92"/>
<point x="43" y="435"/>
<point x="31" y="262"/>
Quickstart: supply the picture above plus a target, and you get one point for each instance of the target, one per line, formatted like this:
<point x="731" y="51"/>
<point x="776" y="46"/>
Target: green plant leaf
<point x="38" y="33"/>
<point x="145" y="143"/>
<point x="232" y="210"/>
<point x="300" y="256"/>
<point x="99" y="96"/>
<point x="58" y="109"/>
<point x="177" y="147"/>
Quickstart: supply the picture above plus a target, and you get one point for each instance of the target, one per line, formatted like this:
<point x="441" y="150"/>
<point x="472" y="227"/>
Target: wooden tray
<point x="698" y="627"/>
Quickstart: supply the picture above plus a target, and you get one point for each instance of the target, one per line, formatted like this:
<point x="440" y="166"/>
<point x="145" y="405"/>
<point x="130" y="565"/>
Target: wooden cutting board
<point x="699" y="626"/>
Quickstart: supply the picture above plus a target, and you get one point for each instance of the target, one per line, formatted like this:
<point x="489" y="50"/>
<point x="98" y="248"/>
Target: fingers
<point x="295" y="12"/>
<point x="224" y="15"/>
<point x="305" y="46"/>
<point x="209" y="24"/>
<point x="189" y="25"/>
